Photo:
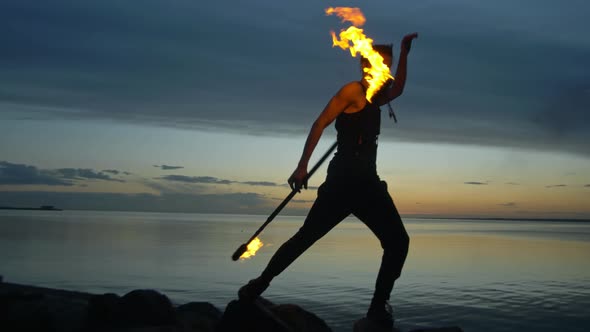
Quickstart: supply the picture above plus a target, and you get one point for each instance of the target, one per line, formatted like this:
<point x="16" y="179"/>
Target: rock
<point x="35" y="311"/>
<point x="29" y="308"/>
<point x="145" y="307"/>
<point x="136" y="309"/>
<point x="245" y="318"/>
<point x="440" y="329"/>
<point x="267" y="317"/>
<point x="103" y="311"/>
<point x="24" y="312"/>
<point x="198" y="316"/>
<point x="299" y="319"/>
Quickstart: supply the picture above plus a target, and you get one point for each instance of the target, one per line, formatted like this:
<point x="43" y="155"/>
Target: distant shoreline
<point x="42" y="208"/>
<point x="303" y="216"/>
<point x="504" y="219"/>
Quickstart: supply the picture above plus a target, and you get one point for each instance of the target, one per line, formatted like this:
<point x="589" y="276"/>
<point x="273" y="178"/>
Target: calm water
<point x="480" y="275"/>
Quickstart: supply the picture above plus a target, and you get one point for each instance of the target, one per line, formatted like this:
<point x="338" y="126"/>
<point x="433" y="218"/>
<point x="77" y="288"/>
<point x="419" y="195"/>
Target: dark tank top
<point x="357" y="144"/>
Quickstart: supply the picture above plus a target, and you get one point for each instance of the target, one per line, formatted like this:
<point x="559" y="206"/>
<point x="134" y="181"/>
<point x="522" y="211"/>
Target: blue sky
<point x="493" y="120"/>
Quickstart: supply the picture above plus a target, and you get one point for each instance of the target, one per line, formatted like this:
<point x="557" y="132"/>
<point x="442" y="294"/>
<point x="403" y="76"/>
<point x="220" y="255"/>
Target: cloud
<point x="116" y="172"/>
<point x="508" y="204"/>
<point x="21" y="174"/>
<point x="556" y="186"/>
<point x="260" y="183"/>
<point x="587" y="186"/>
<point x="195" y="179"/>
<point x="214" y="180"/>
<point x="101" y="60"/>
<point x="112" y="171"/>
<point x="513" y="183"/>
<point x="200" y="203"/>
<point x="167" y="167"/>
<point x="476" y="183"/>
<point x="84" y="173"/>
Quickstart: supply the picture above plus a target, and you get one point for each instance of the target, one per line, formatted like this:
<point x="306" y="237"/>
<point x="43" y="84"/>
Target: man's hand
<point x="298" y="179"/>
<point x="407" y="41"/>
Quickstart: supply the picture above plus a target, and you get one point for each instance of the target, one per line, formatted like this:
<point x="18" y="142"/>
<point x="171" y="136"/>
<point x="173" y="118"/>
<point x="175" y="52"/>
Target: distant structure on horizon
<point x="42" y="207"/>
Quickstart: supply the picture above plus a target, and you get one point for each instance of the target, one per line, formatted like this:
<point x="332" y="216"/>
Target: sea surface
<point x="480" y="275"/>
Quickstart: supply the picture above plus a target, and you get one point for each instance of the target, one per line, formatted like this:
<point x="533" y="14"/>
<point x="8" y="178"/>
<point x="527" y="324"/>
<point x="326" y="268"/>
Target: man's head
<point x="385" y="50"/>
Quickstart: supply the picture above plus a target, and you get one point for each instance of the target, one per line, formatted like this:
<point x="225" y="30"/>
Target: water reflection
<point x="483" y="276"/>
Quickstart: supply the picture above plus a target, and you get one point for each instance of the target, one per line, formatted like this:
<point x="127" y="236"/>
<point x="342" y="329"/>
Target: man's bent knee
<point x="398" y="242"/>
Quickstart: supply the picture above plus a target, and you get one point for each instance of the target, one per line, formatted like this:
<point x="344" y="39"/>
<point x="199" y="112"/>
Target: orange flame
<point x="353" y="15"/>
<point x="253" y="247"/>
<point x="378" y="73"/>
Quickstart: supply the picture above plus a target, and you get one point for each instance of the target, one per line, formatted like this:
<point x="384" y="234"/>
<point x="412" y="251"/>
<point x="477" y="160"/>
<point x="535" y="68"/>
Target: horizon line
<point x="418" y="216"/>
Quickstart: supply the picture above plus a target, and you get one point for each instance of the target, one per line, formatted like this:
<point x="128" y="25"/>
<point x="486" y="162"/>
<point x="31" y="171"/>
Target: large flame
<point x="253" y="247"/>
<point x="354" y="39"/>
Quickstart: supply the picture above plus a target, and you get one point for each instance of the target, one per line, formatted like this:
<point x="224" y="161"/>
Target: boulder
<point x="298" y="319"/>
<point x="29" y="308"/>
<point x="137" y="309"/>
<point x="440" y="329"/>
<point x="146" y="307"/>
<point x="103" y="311"/>
<point x="35" y="311"/>
<point x="264" y="316"/>
<point x="198" y="316"/>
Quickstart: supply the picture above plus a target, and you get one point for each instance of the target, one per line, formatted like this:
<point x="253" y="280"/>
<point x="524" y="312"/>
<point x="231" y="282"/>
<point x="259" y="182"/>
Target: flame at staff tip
<point x="253" y="247"/>
<point x="378" y="73"/>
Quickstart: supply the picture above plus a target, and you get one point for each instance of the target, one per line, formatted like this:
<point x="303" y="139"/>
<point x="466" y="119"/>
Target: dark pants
<point x="370" y="202"/>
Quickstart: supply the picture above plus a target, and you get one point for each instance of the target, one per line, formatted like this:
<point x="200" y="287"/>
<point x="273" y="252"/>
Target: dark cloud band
<point x="21" y="174"/>
<point x="476" y="183"/>
<point x="168" y="167"/>
<point x="480" y="85"/>
<point x="214" y="180"/>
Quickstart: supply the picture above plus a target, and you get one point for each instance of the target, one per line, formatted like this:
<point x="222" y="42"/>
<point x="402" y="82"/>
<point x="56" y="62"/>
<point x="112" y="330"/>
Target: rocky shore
<point x="30" y="308"/>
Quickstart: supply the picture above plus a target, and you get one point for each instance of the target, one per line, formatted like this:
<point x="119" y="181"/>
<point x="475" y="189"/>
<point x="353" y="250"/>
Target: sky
<point x="192" y="106"/>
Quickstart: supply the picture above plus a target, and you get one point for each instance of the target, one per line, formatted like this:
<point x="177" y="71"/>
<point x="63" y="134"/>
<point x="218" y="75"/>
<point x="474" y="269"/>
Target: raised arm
<point x="402" y="65"/>
<point x="343" y="99"/>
